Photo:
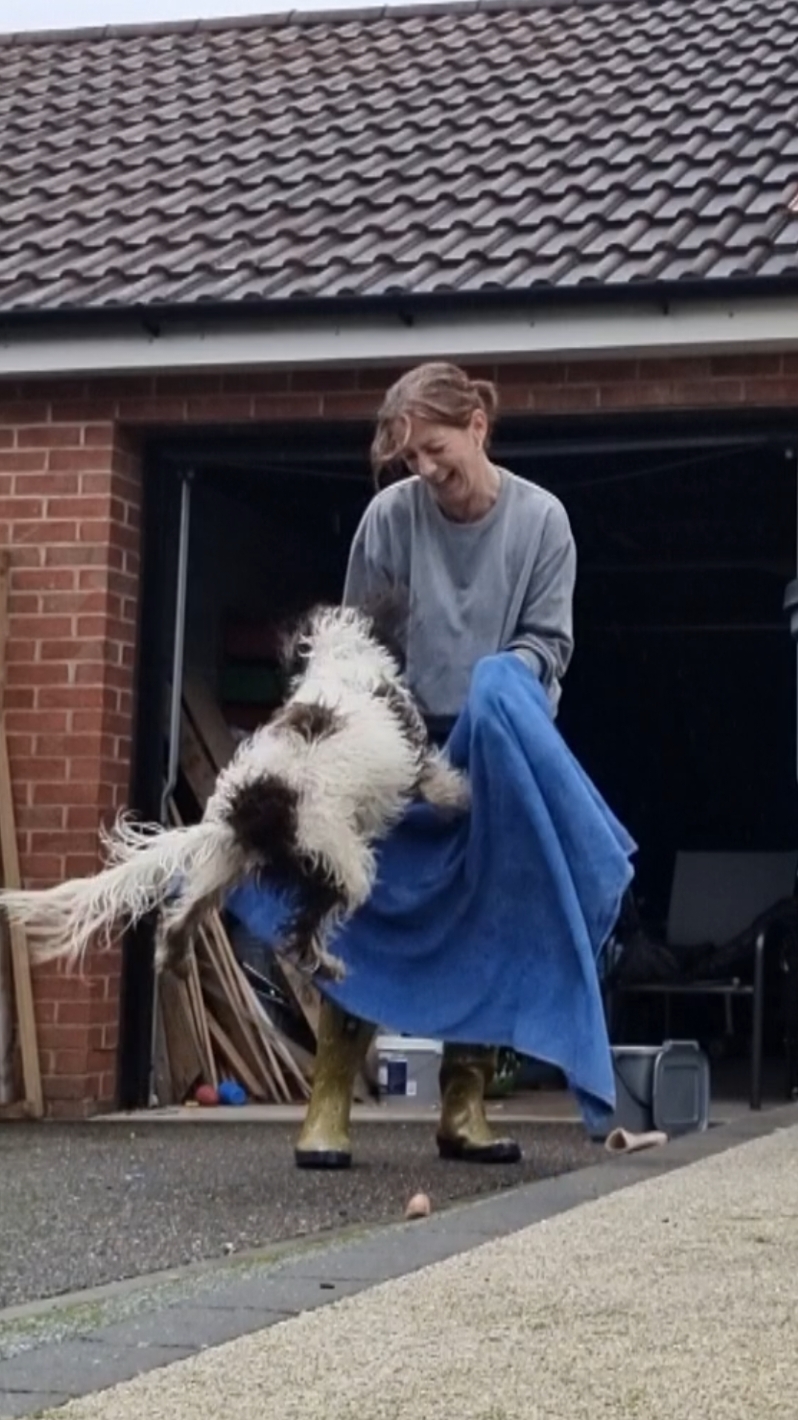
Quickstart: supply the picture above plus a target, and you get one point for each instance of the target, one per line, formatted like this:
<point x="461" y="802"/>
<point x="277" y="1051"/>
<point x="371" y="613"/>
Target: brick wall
<point x="69" y="514"/>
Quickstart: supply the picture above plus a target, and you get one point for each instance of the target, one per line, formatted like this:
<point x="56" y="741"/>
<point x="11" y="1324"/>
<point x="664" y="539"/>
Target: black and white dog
<point x="300" y="805"/>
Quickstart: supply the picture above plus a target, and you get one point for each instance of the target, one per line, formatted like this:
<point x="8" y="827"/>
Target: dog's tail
<point x="145" y="863"/>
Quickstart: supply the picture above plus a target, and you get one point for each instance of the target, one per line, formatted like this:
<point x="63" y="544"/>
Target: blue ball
<point x="230" y="1092"/>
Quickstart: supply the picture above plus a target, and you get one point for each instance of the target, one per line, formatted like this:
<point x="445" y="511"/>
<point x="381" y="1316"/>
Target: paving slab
<point x="87" y="1205"/>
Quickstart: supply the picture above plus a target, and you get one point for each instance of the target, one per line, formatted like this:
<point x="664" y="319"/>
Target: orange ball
<point x="206" y="1095"/>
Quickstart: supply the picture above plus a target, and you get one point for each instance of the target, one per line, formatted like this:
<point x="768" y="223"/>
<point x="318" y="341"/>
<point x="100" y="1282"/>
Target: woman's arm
<point x="375" y="557"/>
<point x="544" y="634"/>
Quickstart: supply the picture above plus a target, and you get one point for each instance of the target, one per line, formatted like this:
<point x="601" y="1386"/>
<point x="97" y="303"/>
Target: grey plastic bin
<point x="664" y="1087"/>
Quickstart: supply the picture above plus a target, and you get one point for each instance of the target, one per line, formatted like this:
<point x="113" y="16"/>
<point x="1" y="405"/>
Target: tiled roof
<point x="467" y="149"/>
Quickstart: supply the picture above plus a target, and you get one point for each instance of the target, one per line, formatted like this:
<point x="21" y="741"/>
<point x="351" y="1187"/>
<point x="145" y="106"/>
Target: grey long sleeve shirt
<point x="505" y="582"/>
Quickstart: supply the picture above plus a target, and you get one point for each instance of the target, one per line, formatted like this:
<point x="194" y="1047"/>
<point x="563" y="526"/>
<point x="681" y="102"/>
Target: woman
<point x="489" y="563"/>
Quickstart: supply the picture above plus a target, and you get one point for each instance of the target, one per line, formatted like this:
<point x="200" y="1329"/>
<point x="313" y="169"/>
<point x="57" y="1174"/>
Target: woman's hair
<point x="436" y="392"/>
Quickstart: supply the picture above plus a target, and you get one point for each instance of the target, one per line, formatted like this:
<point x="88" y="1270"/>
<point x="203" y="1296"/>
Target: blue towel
<point x="489" y="930"/>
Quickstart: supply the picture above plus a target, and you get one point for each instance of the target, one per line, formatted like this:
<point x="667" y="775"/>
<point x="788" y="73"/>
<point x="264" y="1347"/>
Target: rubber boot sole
<point x="501" y="1151"/>
<point x="322" y="1159"/>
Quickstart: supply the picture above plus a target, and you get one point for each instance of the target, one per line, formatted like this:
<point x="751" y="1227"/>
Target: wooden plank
<point x="229" y="1010"/>
<point x="201" y="1020"/>
<point x="4" y="575"/>
<point x="8" y="1090"/>
<point x="209" y="722"/>
<point x="20" y="1109"/>
<point x="162" y="1070"/>
<point x="9" y="862"/>
<point x="231" y="1055"/>
<point x="214" y="943"/>
<point x="185" y="1061"/>
<point x="195" y="764"/>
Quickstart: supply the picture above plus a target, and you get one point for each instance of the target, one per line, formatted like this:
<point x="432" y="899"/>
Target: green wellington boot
<point x="343" y="1042"/>
<point x="464" y="1132"/>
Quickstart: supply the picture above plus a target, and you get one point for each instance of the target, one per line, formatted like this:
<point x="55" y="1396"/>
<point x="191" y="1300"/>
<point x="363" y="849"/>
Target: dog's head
<point x="352" y="646"/>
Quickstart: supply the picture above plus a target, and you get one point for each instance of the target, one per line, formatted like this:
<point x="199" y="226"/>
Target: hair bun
<point x="488" y="394"/>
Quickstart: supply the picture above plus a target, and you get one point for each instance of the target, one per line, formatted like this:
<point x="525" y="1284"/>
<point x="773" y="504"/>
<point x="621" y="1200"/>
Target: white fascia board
<point x="570" y="333"/>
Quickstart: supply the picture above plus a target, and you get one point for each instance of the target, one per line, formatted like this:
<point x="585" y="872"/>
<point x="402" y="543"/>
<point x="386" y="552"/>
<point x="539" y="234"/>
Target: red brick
<point x="68" y="649"/>
<point x="28" y="818"/>
<point x="652" y="395"/>
<point x="51" y="674"/>
<point x="18" y="698"/>
<point x="22" y="460"/>
<point x="7" y="438"/>
<point x="79" y="817"/>
<point x="190" y="384"/>
<point x="45" y="1012"/>
<point x="76" y="460"/>
<point x="71" y="745"/>
<point x="79" y="506"/>
<point x="67" y="795"/>
<point x="559" y="400"/>
<point x="49" y="436"/>
<point x="63" y="842"/>
<point x="24" y="411"/>
<point x="84" y="554"/>
<point x="41" y="870"/>
<point x="381" y="378"/>
<point x="758" y="365"/>
<point x="80" y="1013"/>
<point x="20" y="746"/>
<point x="51" y="484"/>
<point x="607" y="371"/>
<point x="228" y="408"/>
<point x="287" y="406"/>
<point x="323" y="381"/>
<point x="78" y="697"/>
<point x="771" y="391"/>
<point x="361" y="405"/>
<point x="21" y="556"/>
<point x="676" y="367"/>
<point x="39" y="626"/>
<point x="256" y="381"/>
<point x="699" y="394"/>
<point x="24" y="604"/>
<point x="47" y="532"/>
<point x="43" y="770"/>
<point x="23" y="509"/>
<point x="99" y="435"/>
<point x="44" y="579"/>
<point x="62" y="1088"/>
<point x="153" y="411"/>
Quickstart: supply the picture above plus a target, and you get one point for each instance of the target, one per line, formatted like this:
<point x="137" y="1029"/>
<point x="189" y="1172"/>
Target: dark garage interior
<point x="681" y="698"/>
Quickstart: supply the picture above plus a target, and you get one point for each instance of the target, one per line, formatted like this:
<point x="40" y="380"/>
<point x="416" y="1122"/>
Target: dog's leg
<point x="330" y="895"/>
<point x="174" y="940"/>
<point x="443" y="786"/>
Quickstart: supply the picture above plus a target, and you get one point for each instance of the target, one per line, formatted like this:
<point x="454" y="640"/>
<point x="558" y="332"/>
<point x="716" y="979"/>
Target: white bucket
<point x="408" y="1068"/>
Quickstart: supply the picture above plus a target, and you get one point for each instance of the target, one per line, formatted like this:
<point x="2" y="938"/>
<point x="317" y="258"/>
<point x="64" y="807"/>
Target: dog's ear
<point x="293" y="646"/>
<point x="388" y="612"/>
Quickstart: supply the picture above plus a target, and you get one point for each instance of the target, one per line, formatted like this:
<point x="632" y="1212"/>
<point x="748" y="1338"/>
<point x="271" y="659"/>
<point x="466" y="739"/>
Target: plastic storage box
<point x="665" y="1087"/>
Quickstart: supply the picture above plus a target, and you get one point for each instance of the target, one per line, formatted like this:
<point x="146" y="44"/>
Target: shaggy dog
<point x="300" y="805"/>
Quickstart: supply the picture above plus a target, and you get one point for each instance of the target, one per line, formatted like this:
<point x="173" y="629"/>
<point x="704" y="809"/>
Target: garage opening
<point x="680" y="702"/>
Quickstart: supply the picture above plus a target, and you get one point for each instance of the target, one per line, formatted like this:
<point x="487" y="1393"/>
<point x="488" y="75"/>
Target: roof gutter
<point x="400" y="330"/>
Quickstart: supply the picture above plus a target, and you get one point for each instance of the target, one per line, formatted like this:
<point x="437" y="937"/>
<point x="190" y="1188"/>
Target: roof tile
<point x="527" y="145"/>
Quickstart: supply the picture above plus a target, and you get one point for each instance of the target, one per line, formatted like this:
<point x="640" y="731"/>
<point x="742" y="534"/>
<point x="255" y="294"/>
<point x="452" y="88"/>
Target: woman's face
<point x="450" y="461"/>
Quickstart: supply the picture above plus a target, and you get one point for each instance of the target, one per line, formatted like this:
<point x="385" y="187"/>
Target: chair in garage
<point x="732" y="921"/>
